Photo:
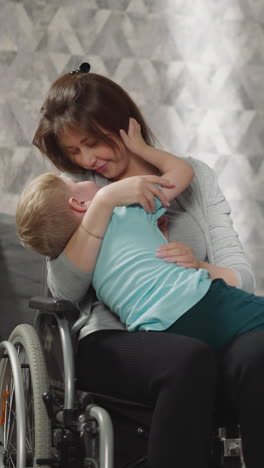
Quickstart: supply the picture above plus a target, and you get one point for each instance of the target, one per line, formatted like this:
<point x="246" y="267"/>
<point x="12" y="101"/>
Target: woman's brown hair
<point x="89" y="103"/>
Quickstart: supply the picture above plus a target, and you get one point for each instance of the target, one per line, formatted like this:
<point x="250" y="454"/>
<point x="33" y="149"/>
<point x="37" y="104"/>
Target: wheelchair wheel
<point x="35" y="383"/>
<point x="12" y="417"/>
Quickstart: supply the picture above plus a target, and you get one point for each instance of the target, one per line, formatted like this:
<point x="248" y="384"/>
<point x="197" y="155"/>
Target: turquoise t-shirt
<point x="144" y="291"/>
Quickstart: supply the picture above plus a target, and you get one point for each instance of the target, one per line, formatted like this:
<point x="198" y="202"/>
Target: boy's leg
<point x="175" y="374"/>
<point x="222" y="314"/>
<point x="242" y="378"/>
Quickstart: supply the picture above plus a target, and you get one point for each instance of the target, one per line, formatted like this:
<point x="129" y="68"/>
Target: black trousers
<point x="177" y="374"/>
<point x="173" y="373"/>
<point x="241" y="388"/>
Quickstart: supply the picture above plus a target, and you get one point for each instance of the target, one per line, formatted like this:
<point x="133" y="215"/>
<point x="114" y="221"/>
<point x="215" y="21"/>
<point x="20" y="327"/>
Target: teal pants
<point x="222" y="314"/>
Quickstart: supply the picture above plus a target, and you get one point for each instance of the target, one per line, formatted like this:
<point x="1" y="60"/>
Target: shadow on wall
<point x="21" y="277"/>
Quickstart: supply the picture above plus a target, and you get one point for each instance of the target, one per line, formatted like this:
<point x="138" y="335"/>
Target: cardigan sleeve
<point x="66" y="281"/>
<point x="227" y="248"/>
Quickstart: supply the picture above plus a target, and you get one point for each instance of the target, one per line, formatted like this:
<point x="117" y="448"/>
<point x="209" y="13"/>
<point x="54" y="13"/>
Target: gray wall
<point x="195" y="68"/>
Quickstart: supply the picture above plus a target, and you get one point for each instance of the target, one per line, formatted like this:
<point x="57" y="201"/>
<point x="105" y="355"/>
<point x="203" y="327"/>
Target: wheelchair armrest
<point x="55" y="306"/>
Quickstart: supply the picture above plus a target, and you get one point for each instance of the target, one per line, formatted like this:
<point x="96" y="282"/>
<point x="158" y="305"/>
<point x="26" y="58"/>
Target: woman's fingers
<point x="172" y="246"/>
<point x="173" y="257"/>
<point x="183" y="261"/>
<point x="179" y="259"/>
<point x="171" y="252"/>
<point x="176" y="252"/>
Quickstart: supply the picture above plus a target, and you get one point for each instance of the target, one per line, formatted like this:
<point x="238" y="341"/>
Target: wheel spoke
<point x="12" y="460"/>
<point x="8" y="414"/>
<point x="11" y="438"/>
<point x="10" y="403"/>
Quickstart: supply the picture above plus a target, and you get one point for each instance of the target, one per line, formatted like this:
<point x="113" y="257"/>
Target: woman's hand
<point x="133" y="139"/>
<point x="181" y="254"/>
<point x="137" y="189"/>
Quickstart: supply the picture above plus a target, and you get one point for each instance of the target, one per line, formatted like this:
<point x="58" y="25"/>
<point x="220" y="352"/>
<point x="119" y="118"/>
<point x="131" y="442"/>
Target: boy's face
<point x="81" y="191"/>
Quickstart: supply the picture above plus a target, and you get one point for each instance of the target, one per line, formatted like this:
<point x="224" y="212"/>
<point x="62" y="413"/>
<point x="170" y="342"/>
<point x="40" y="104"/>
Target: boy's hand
<point x="133" y="139"/>
<point x="136" y="189"/>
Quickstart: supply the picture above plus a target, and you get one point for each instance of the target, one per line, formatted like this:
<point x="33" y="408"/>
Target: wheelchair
<point x="46" y="422"/>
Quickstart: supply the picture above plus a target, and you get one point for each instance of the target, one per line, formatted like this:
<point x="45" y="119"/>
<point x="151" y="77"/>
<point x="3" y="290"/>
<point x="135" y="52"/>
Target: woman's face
<point x="94" y="155"/>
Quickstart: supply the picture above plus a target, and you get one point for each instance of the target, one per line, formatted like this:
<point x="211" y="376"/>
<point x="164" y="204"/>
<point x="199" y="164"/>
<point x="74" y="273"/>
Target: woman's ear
<point x="80" y="206"/>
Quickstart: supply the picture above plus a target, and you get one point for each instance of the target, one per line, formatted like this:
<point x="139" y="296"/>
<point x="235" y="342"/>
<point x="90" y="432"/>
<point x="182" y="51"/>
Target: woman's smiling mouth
<point x="102" y="168"/>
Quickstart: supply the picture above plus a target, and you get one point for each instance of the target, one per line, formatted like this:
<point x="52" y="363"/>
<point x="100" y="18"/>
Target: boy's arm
<point x="172" y="168"/>
<point x="84" y="246"/>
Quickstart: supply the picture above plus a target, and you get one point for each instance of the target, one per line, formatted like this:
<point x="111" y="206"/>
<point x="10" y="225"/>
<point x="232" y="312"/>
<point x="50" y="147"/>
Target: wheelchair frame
<point x="72" y="424"/>
<point x="77" y="435"/>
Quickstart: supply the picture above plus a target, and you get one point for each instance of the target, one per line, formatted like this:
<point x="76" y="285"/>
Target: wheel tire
<point x="35" y="382"/>
<point x="12" y="419"/>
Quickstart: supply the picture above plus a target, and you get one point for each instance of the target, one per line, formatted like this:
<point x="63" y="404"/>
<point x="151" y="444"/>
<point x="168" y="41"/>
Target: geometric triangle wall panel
<point x="195" y="69"/>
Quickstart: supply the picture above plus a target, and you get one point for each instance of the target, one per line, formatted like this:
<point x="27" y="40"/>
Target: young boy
<point x="143" y="290"/>
<point x="51" y="209"/>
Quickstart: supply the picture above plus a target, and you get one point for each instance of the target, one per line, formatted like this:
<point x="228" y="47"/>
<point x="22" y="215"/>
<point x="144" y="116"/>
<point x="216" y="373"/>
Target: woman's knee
<point x="245" y="355"/>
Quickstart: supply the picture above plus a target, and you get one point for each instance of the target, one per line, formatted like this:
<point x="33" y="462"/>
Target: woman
<point x="79" y="131"/>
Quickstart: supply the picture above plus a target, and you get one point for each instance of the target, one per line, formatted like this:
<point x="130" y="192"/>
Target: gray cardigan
<point x="205" y="202"/>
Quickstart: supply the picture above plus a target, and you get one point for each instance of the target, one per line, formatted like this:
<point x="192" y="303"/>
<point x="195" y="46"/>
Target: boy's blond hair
<point x="44" y="218"/>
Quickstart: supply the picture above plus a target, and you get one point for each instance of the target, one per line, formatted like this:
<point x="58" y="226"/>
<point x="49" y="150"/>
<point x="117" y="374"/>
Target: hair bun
<point x="83" y="68"/>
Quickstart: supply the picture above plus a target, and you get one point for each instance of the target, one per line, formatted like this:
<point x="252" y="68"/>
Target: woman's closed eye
<point x="91" y="144"/>
<point x="73" y="151"/>
<point x="76" y="151"/>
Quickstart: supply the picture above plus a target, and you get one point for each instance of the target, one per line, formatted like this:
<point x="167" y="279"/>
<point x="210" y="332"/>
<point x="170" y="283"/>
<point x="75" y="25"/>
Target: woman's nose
<point x="88" y="158"/>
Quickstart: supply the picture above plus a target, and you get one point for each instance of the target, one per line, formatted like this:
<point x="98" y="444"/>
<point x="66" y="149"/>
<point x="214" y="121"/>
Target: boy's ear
<point x="80" y="206"/>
